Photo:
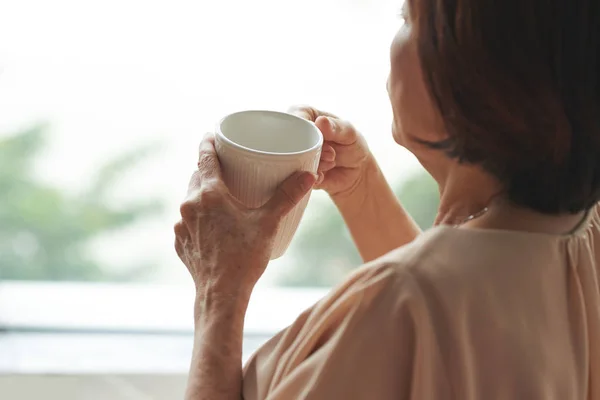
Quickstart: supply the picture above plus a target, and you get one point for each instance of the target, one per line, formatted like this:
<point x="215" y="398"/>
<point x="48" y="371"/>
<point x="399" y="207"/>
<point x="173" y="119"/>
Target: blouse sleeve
<point x="357" y="343"/>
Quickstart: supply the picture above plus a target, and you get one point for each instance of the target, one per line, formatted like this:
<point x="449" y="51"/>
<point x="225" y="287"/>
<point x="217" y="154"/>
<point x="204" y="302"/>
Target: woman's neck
<point x="504" y="215"/>
<point x="466" y="191"/>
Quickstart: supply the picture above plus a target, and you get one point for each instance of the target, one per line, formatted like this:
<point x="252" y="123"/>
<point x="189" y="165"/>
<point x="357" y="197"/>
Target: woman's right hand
<point x="349" y="173"/>
<point x="345" y="158"/>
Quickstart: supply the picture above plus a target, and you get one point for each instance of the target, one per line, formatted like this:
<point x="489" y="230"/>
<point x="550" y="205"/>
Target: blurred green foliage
<point x="44" y="230"/>
<point x="324" y="252"/>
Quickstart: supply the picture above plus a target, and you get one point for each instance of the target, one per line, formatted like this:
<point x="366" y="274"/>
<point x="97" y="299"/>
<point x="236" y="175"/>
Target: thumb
<point x="290" y="192"/>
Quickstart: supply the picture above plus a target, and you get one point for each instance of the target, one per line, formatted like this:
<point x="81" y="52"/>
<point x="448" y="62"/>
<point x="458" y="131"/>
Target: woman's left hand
<point x="225" y="245"/>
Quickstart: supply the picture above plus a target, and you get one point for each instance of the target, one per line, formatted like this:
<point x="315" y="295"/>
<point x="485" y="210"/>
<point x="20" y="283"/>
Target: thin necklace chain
<point x="472" y="216"/>
<point x="478" y="213"/>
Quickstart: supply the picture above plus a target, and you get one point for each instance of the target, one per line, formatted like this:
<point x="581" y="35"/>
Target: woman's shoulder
<point x="466" y="266"/>
<point x="437" y="250"/>
<point x="459" y="263"/>
<point x="367" y="320"/>
<point x="397" y="271"/>
<point x="363" y="328"/>
<point x="391" y="282"/>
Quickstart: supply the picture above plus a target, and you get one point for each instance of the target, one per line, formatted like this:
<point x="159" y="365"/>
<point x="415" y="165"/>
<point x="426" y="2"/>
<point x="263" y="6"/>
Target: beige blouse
<point x="458" y="314"/>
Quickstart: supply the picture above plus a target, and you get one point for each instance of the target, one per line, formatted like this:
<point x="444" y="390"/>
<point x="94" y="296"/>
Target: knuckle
<point x="195" y="180"/>
<point x="206" y="160"/>
<point x="188" y="209"/>
<point x="347" y="127"/>
<point x="178" y="228"/>
<point x="210" y="193"/>
<point x="179" y="242"/>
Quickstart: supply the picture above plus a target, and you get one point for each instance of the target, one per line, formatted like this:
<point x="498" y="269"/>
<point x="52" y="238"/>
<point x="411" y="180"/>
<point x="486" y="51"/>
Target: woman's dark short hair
<point x="518" y="85"/>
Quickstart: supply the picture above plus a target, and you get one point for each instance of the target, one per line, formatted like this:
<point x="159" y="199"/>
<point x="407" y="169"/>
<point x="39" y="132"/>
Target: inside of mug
<point x="269" y="131"/>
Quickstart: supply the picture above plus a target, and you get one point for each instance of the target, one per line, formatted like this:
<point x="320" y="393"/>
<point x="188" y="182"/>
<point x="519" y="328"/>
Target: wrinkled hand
<point x="345" y="155"/>
<point x="225" y="245"/>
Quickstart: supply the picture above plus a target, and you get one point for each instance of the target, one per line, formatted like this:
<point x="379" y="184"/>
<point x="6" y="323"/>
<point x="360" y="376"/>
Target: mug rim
<point x="231" y="143"/>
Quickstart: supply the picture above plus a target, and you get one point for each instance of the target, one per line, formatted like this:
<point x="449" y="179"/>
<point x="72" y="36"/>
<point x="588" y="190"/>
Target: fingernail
<point x="320" y="178"/>
<point x="327" y="156"/>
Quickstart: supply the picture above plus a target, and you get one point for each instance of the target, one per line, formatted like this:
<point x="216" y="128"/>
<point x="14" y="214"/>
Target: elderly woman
<point x="500" y="102"/>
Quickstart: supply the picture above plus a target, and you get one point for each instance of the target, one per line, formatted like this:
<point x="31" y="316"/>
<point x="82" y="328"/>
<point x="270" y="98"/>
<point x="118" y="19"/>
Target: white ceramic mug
<point x="258" y="150"/>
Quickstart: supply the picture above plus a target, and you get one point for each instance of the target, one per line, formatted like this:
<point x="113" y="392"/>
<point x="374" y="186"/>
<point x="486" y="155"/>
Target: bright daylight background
<point x="102" y="106"/>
